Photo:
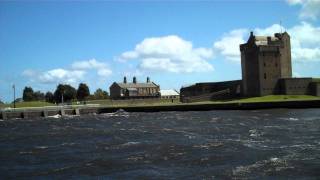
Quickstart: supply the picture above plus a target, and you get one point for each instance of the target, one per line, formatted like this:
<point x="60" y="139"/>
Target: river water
<point x="267" y="144"/>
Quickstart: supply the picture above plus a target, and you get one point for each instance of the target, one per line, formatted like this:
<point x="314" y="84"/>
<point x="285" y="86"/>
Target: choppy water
<point x="202" y="145"/>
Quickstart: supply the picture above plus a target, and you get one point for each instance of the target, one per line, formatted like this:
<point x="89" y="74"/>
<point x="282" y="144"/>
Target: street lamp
<point x="62" y="97"/>
<point x="14" y="96"/>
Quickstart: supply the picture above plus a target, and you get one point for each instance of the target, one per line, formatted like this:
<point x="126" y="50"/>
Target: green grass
<point x="137" y="102"/>
<point x="2" y="106"/>
<point x="272" y="98"/>
<point x="27" y="104"/>
<point x="315" y="79"/>
<point x="166" y="102"/>
<point x="163" y="102"/>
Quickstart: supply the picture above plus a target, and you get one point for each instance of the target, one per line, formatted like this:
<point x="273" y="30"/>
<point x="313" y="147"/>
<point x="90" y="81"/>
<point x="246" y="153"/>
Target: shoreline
<point x="37" y="113"/>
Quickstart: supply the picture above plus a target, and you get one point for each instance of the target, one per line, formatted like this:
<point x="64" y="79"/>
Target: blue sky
<point x="175" y="43"/>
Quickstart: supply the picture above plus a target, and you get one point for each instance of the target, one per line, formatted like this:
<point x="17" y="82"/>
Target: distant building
<point x="134" y="89"/>
<point x="266" y="69"/>
<point x="169" y="94"/>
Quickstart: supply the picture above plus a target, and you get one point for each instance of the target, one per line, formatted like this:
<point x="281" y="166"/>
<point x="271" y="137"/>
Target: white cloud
<point x="102" y="68"/>
<point x="73" y="75"/>
<point x="305" y="41"/>
<point x="294" y="2"/>
<point x="130" y="55"/>
<point x="228" y="45"/>
<point x="310" y="8"/>
<point x="296" y="74"/>
<point x="58" y="75"/>
<point x="269" y="31"/>
<point x="89" y="64"/>
<point x="104" y="72"/>
<point x="305" y="34"/>
<point x="29" y="73"/>
<point x="305" y="54"/>
<point x="171" y="54"/>
<point x="61" y="75"/>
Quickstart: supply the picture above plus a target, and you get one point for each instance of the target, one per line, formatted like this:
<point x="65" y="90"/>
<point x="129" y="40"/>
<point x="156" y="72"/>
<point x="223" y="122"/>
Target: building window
<point x="265" y="76"/>
<point x="276" y="64"/>
<point x="264" y="64"/>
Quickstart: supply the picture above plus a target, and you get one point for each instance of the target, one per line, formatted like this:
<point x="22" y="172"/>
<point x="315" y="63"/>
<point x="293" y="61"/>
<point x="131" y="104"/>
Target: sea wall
<point x="181" y="107"/>
<point x="220" y="106"/>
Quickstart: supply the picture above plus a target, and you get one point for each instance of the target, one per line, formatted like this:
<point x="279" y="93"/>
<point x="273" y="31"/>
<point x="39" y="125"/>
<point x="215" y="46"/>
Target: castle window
<point x="264" y="64"/>
<point x="276" y="64"/>
<point x="265" y="76"/>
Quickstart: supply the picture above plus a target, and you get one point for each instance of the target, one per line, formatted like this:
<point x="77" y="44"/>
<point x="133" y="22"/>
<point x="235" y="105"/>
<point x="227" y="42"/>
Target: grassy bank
<point x="272" y="98"/>
<point x="135" y="102"/>
<point x="27" y="104"/>
<point x="105" y="102"/>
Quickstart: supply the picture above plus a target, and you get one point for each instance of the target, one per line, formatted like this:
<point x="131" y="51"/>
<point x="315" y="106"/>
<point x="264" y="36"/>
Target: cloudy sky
<point x="176" y="43"/>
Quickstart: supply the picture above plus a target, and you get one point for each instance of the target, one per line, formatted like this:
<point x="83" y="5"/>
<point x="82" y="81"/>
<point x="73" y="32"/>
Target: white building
<point x="169" y="94"/>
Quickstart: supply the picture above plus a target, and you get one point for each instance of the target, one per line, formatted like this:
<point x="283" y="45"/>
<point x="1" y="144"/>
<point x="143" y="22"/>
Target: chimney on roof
<point x="125" y="80"/>
<point x="251" y="33"/>
<point x="134" y="80"/>
<point x="148" y="80"/>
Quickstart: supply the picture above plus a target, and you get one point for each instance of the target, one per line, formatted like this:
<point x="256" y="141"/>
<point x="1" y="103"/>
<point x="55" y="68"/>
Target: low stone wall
<point x="295" y="86"/>
<point x="201" y="90"/>
<point x="32" y="114"/>
<point x="315" y="88"/>
<point x="89" y="111"/>
<point x="13" y="114"/>
<point x="222" y="106"/>
<point x="53" y="112"/>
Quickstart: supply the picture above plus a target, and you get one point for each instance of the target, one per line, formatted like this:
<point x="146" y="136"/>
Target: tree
<point x="17" y="100"/>
<point x="82" y="92"/>
<point x="100" y="94"/>
<point x="68" y="92"/>
<point x="49" y="97"/>
<point x="39" y="96"/>
<point x="91" y="97"/>
<point x="28" y="94"/>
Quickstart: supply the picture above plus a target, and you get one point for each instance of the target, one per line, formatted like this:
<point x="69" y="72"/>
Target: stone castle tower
<point x="265" y="60"/>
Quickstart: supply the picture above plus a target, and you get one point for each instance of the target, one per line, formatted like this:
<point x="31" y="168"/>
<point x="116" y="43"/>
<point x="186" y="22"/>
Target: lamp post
<point x="14" y="96"/>
<point x="62" y="97"/>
